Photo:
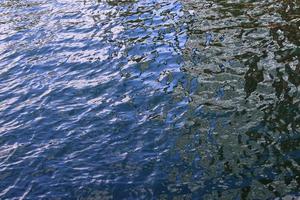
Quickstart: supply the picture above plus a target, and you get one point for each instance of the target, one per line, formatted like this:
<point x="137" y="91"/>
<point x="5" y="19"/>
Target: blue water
<point x="149" y="99"/>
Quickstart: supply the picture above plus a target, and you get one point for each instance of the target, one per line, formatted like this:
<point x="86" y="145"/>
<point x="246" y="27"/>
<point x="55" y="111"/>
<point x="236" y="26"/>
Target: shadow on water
<point x="242" y="135"/>
<point x="149" y="99"/>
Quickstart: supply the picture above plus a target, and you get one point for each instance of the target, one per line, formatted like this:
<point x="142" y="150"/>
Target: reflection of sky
<point x="93" y="75"/>
<point x="97" y="33"/>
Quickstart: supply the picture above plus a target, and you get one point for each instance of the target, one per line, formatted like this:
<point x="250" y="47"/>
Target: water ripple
<point x="82" y="101"/>
<point x="149" y="99"/>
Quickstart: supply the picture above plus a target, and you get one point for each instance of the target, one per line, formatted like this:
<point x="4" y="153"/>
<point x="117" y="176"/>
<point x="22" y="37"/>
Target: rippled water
<point x="149" y="99"/>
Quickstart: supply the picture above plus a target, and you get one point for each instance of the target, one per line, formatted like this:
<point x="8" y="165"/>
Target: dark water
<point x="149" y="99"/>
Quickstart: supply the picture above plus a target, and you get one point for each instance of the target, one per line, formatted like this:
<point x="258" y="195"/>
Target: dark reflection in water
<point x="149" y="99"/>
<point x="242" y="73"/>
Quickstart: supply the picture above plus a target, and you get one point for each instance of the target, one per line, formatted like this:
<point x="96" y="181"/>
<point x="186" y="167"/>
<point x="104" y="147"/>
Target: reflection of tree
<point x="117" y="2"/>
<point x="17" y="15"/>
<point x="242" y="137"/>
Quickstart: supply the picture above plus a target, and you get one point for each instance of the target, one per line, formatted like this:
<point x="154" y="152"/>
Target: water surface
<point x="149" y="99"/>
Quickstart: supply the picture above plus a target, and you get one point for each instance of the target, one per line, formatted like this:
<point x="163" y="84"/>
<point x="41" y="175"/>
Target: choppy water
<point x="149" y="99"/>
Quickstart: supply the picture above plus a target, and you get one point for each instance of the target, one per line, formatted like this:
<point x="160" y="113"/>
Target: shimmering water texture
<point x="149" y="99"/>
